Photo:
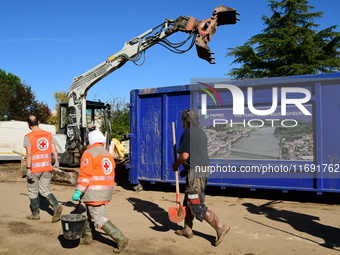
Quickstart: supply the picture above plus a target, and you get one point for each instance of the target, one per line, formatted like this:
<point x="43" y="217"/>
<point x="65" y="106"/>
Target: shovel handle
<point x="174" y="140"/>
<point x="75" y="210"/>
<point x="175" y="158"/>
<point x="177" y="186"/>
<point x="78" y="205"/>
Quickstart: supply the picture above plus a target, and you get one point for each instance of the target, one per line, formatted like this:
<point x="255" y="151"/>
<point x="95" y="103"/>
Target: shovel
<point x="176" y="213"/>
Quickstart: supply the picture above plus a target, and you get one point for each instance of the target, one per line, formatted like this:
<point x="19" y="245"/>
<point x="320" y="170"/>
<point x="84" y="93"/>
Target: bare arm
<point x="28" y="156"/>
<point x="180" y="160"/>
<point x="55" y="153"/>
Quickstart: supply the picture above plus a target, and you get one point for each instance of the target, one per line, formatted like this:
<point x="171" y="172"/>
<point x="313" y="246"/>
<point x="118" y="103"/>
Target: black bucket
<point x="73" y="225"/>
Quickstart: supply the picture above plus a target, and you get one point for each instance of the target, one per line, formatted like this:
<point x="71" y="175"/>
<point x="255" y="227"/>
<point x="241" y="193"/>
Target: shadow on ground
<point x="301" y="222"/>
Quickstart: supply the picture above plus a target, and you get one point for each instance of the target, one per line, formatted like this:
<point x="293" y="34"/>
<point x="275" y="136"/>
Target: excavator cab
<point x="97" y="117"/>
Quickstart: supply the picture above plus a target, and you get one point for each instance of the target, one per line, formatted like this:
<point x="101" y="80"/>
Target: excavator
<point x="77" y="113"/>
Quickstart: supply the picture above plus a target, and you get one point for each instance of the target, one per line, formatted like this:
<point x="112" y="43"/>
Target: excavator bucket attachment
<point x="225" y="15"/>
<point x="221" y="15"/>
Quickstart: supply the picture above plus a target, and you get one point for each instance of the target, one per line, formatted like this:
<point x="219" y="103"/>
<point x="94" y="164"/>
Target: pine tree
<point x="289" y="45"/>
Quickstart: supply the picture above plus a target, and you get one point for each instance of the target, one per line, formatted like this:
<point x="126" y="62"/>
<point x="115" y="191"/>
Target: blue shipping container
<point x="286" y="149"/>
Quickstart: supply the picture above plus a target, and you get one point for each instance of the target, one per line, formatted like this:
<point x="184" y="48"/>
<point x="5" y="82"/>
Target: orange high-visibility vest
<point x="97" y="175"/>
<point x="41" y="142"/>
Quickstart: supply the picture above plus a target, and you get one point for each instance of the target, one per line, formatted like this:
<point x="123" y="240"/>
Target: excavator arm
<point x="201" y="33"/>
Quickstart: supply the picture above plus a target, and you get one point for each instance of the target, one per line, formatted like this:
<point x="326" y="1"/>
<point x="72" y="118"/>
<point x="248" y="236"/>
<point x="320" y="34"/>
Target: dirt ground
<point x="262" y="222"/>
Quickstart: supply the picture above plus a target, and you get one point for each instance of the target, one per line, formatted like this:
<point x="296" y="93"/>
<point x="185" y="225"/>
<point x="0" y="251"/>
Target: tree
<point x="18" y="101"/>
<point x="42" y="111"/>
<point x="8" y="85"/>
<point x="4" y="94"/>
<point x="289" y="45"/>
<point x="21" y="103"/>
<point x="59" y="97"/>
<point x="120" y="119"/>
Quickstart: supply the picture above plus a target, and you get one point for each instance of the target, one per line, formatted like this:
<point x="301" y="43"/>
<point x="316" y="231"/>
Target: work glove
<point x="76" y="195"/>
<point x="29" y="176"/>
<point x="56" y="165"/>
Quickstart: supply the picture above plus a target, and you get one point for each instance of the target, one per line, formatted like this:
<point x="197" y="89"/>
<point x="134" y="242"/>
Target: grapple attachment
<point x="221" y="15"/>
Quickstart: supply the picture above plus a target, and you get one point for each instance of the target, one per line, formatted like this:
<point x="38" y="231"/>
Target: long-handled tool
<point x="75" y="210"/>
<point x="80" y="200"/>
<point x="176" y="213"/>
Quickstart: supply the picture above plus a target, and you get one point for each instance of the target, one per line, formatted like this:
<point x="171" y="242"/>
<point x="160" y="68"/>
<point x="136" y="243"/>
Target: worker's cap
<point x="96" y="137"/>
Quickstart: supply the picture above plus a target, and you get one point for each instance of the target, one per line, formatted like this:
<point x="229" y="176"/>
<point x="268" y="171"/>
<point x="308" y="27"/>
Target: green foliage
<point x="120" y="118"/>
<point x="59" y="97"/>
<point x="289" y="45"/>
<point x="4" y="95"/>
<point x="42" y="111"/>
<point x="18" y="101"/>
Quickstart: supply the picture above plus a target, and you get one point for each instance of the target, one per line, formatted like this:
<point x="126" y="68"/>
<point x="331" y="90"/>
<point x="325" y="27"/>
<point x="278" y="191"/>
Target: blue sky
<point x="47" y="43"/>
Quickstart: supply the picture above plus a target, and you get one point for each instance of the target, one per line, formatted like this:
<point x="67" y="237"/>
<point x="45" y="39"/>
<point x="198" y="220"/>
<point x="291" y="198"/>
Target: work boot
<point x="56" y="207"/>
<point x="188" y="223"/>
<point x="116" y="235"/>
<point x="87" y="237"/>
<point x="215" y="222"/>
<point x="34" y="206"/>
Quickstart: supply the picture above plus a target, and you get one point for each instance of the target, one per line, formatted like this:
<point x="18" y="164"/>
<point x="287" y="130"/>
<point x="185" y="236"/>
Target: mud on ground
<point x="262" y="222"/>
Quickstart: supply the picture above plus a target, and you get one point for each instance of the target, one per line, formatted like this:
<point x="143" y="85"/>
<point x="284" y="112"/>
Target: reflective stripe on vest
<point x="41" y="164"/>
<point x="41" y="156"/>
<point x="96" y="187"/>
<point x="102" y="178"/>
<point x="100" y="187"/>
<point x="83" y="180"/>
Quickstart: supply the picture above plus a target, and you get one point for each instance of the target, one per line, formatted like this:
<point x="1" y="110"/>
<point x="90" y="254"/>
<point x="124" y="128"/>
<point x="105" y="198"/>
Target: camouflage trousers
<point x="195" y="194"/>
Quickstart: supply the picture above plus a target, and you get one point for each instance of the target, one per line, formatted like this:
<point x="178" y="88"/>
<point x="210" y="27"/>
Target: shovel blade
<point x="176" y="214"/>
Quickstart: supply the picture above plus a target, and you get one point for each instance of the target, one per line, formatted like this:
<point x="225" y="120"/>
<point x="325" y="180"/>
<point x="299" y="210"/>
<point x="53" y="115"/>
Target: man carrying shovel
<point x="193" y="152"/>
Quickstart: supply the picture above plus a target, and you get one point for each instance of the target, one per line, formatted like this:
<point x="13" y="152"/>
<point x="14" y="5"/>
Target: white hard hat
<point x="96" y="137"/>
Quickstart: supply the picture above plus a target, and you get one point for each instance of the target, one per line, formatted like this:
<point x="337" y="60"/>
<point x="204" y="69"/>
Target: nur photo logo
<point x="239" y="99"/>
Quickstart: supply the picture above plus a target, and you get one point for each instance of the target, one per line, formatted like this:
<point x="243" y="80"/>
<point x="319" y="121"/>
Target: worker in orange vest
<point x="95" y="188"/>
<point x="39" y="146"/>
